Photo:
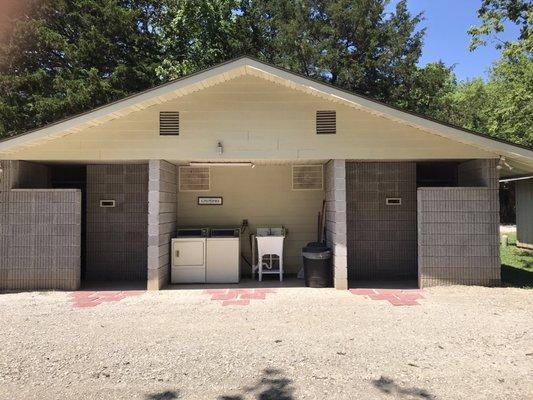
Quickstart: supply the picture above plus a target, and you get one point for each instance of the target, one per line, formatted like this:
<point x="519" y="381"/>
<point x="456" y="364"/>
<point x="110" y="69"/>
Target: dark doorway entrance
<point x="74" y="177"/>
<point x="381" y="222"/>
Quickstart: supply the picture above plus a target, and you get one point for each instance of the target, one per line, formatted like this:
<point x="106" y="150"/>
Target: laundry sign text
<point x="209" y="201"/>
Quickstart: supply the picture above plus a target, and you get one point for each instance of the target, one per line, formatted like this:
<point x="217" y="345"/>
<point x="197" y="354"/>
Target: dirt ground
<point x="460" y="343"/>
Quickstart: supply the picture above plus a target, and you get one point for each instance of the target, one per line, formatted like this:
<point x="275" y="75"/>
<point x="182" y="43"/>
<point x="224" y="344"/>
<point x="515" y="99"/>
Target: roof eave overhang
<point x="519" y="157"/>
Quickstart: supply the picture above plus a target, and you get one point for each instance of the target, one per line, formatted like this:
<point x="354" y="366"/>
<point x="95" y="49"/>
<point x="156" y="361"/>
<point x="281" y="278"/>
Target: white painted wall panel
<point x="254" y="119"/>
<point x="264" y="196"/>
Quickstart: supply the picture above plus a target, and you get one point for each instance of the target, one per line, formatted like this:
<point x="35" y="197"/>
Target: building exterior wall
<point x="382" y="239"/>
<point x="458" y="231"/>
<point x="254" y="119"/>
<point x="263" y="195"/>
<point x="478" y="173"/>
<point x="40" y="239"/>
<point x="162" y="213"/>
<point x="23" y="174"/>
<point x="335" y="174"/>
<point x="524" y="212"/>
<point x="116" y="237"/>
<point x="40" y="234"/>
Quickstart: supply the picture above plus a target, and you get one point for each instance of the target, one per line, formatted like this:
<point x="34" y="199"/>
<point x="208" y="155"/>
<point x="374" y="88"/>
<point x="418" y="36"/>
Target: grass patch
<point x="517" y="264"/>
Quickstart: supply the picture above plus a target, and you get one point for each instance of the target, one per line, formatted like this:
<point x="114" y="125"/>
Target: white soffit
<point x="521" y="157"/>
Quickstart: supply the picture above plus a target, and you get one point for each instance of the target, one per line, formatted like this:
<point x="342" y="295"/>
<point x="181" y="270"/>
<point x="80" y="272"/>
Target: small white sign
<point x="107" y="203"/>
<point x="209" y="201"/>
<point x="393" y="201"/>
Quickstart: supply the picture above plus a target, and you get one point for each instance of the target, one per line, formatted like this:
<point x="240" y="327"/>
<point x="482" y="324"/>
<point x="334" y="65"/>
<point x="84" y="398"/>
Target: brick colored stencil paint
<point x="396" y="297"/>
<point x="85" y="299"/>
<point x="238" y="297"/>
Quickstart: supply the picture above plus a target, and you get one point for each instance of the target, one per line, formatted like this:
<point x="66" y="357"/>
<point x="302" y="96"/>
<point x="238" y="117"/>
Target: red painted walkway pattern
<point x="238" y="297"/>
<point x="397" y="297"/>
<point x="84" y="299"/>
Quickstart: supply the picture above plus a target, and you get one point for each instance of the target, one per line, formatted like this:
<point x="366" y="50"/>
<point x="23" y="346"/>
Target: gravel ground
<point x="461" y="343"/>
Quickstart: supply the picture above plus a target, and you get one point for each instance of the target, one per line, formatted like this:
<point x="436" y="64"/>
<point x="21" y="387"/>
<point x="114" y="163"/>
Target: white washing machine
<point x="223" y="256"/>
<point x="189" y="256"/>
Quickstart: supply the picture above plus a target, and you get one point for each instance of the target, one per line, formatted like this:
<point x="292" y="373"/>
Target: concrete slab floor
<point x="247" y="283"/>
<point x="113" y="285"/>
<point x="382" y="284"/>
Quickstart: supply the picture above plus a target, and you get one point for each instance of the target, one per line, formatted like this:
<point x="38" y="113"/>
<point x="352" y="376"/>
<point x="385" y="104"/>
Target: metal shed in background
<point x="524" y="212"/>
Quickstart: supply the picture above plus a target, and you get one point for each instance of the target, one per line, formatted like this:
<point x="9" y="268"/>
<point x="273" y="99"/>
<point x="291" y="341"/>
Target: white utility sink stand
<point x="268" y="246"/>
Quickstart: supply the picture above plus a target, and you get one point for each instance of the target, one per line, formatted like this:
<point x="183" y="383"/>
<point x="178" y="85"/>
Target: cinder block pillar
<point x="336" y="220"/>
<point x="162" y="204"/>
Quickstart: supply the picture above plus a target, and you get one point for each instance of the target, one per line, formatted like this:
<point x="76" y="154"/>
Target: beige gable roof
<point x="518" y="156"/>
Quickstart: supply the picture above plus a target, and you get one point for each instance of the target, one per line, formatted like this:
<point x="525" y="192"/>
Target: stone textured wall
<point x="161" y="221"/>
<point x="116" y="238"/>
<point x="382" y="241"/>
<point x="335" y="185"/>
<point x="458" y="232"/>
<point x="40" y="231"/>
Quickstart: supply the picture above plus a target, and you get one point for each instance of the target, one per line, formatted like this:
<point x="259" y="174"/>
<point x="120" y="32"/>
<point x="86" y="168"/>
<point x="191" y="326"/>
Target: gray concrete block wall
<point x="478" y="173"/>
<point x="40" y="239"/>
<point x="382" y="239"/>
<point x="24" y="175"/>
<point x="458" y="231"/>
<point x="116" y="237"/>
<point x="335" y="189"/>
<point x="524" y="213"/>
<point x="162" y="214"/>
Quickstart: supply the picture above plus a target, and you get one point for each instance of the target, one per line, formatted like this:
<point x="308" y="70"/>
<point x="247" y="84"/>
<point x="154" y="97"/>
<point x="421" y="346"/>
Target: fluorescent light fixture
<point x="221" y="164"/>
<point x="520" y="178"/>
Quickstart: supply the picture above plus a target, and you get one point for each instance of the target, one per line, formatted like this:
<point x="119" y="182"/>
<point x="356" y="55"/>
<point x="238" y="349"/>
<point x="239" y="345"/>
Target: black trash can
<point x="317" y="265"/>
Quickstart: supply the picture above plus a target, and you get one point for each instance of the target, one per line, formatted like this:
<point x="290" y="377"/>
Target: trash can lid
<point x="315" y="247"/>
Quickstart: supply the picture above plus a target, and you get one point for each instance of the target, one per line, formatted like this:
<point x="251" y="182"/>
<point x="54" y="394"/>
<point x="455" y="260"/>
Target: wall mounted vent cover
<point x="169" y="123"/>
<point x="326" y="122"/>
<point x="307" y="177"/>
<point x="194" y="179"/>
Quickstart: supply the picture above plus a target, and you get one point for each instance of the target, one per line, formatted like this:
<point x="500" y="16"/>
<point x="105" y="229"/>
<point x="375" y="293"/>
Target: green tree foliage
<point x="494" y="14"/>
<point x="429" y="91"/>
<point x="351" y="43"/>
<point x="502" y="107"/>
<point x="510" y="92"/>
<point x="194" y="35"/>
<point x="63" y="57"/>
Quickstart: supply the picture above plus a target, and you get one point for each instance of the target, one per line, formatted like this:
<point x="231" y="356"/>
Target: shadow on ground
<point x="166" y="395"/>
<point x="272" y="385"/>
<point x="388" y="386"/>
<point x="516" y="277"/>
